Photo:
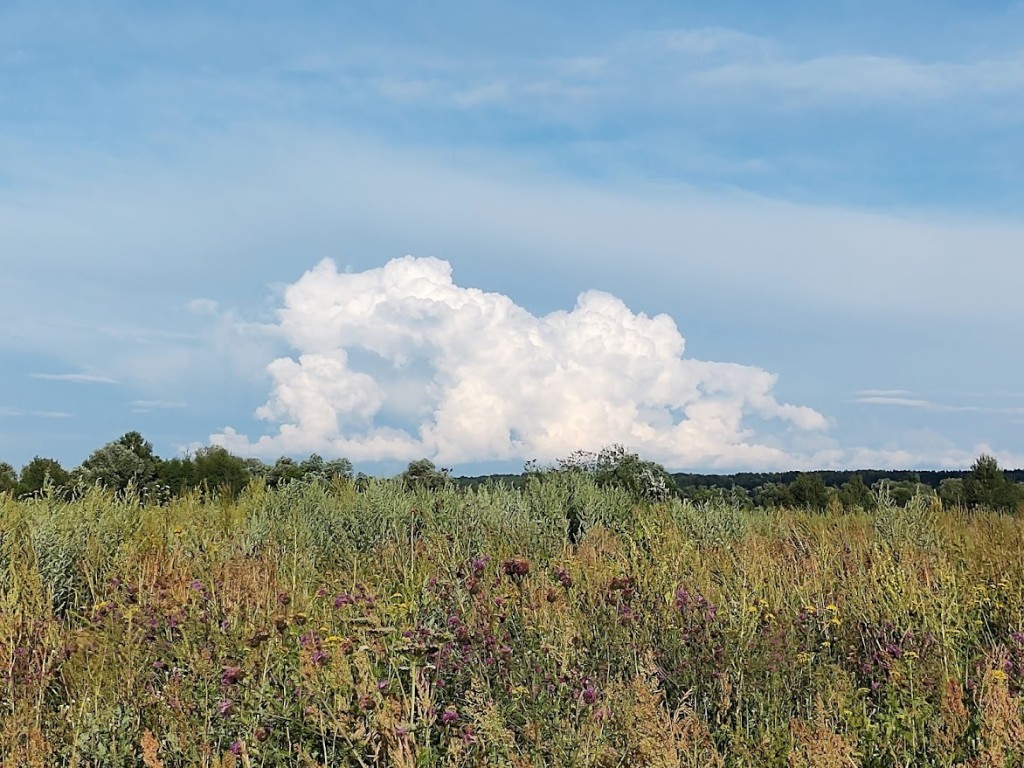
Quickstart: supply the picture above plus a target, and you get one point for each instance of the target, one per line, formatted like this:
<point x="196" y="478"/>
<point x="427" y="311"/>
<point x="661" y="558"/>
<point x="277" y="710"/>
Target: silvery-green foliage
<point x="714" y="523"/>
<point x="913" y="524"/>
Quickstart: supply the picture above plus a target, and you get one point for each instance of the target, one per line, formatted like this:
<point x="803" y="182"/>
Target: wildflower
<point x="562" y="577"/>
<point x="319" y="657"/>
<point x="479" y="564"/>
<point x="516" y="567"/>
<point x="236" y="747"/>
<point x="589" y="694"/>
<point x="231" y="675"/>
<point x="197" y="585"/>
<point x="449" y="716"/>
<point x="257" y="639"/>
<point x="621" y="584"/>
<point x="342" y="600"/>
<point x="225" y="708"/>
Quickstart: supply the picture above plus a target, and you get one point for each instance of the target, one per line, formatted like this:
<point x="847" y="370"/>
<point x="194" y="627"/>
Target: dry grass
<point x="321" y="626"/>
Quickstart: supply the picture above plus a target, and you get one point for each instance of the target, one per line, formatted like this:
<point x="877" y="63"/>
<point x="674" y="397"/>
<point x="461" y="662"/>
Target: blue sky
<point x="828" y="197"/>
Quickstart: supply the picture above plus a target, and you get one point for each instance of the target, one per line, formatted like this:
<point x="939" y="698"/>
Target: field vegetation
<point x="568" y="622"/>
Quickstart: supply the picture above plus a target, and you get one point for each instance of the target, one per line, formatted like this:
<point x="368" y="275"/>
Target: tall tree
<point x="40" y="472"/>
<point x="8" y="478"/>
<point x="217" y="469"/>
<point x="422" y="473"/>
<point x="129" y="460"/>
<point x="987" y="486"/>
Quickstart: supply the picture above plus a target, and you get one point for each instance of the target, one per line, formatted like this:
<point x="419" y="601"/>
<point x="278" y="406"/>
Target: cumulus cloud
<point x="399" y="362"/>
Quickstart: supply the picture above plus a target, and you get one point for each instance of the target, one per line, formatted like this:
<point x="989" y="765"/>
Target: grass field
<point x="316" y="625"/>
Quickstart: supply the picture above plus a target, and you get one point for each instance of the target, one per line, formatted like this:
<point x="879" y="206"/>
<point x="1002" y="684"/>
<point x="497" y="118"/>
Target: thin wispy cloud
<point x="928" y="405"/>
<point x="7" y="411"/>
<point x="75" y="378"/>
<point x="862" y="393"/>
<point x="145" y="406"/>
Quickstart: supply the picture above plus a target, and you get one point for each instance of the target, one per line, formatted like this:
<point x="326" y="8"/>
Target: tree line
<point x="129" y="462"/>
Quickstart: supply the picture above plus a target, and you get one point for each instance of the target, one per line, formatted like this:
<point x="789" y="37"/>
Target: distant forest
<point x="129" y="464"/>
<point x="751" y="481"/>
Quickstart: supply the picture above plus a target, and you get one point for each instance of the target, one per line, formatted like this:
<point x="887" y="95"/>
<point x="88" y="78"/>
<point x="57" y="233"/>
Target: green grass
<point x="319" y="625"/>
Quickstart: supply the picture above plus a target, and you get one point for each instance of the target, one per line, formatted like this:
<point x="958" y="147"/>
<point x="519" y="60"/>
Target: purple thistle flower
<point x="225" y="707"/>
<point x="319" y="657"/>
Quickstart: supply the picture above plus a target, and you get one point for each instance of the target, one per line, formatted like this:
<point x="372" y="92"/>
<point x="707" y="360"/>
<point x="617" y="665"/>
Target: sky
<point x="729" y="236"/>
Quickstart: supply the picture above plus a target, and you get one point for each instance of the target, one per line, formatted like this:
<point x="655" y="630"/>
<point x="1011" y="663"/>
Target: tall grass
<point x="321" y="625"/>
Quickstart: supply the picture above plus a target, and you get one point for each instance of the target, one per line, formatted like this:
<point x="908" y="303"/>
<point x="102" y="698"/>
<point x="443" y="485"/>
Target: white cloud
<point x="144" y="406"/>
<point x="399" y="362"/>
<point x="77" y="378"/>
<point x="884" y="393"/>
<point x="7" y="411"/>
<point x="928" y="405"/>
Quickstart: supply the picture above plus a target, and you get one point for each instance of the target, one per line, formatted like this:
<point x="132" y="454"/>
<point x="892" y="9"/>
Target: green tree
<point x="987" y="486"/>
<point x="41" y="472"/>
<point x="614" y="466"/>
<point x="951" y="492"/>
<point x="422" y="473"/>
<point x="8" y="478"/>
<point x="215" y="468"/>
<point x="315" y="468"/>
<point x="177" y="475"/>
<point x="773" y="496"/>
<point x="256" y="467"/>
<point x="284" y="471"/>
<point x="809" y="491"/>
<point x="854" y="495"/>
<point x="129" y="460"/>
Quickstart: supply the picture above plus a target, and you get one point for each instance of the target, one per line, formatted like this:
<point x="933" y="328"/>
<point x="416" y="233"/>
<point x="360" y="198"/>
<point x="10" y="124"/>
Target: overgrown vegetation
<point x="399" y="622"/>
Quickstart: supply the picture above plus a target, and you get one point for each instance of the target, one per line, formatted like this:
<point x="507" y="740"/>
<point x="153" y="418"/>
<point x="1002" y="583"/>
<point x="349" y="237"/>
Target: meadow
<point x="334" y="625"/>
